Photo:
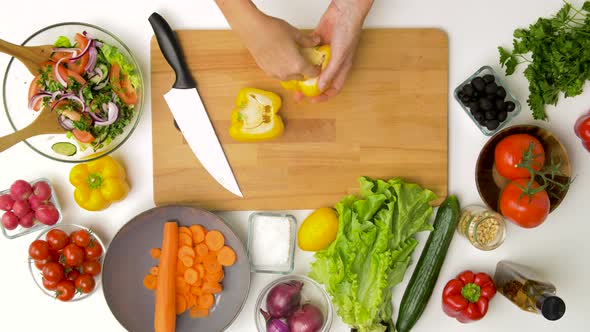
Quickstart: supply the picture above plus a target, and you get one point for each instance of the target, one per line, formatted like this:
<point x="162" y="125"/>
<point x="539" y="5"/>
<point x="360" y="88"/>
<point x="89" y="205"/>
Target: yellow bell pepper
<point x="318" y="56"/>
<point x="98" y="183"/>
<point x="255" y="117"/>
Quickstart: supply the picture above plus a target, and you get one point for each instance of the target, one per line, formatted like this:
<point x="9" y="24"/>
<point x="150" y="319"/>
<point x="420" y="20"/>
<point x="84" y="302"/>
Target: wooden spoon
<point x="44" y="123"/>
<point x="31" y="56"/>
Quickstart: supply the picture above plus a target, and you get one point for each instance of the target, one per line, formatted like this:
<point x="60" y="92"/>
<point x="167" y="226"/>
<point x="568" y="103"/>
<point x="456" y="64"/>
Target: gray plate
<point x="128" y="260"/>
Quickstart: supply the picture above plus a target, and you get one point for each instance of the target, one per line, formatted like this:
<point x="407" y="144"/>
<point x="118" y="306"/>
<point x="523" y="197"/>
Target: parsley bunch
<point x="559" y="59"/>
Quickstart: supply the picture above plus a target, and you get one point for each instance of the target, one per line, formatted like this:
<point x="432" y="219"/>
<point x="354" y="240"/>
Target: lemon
<point x="318" y="230"/>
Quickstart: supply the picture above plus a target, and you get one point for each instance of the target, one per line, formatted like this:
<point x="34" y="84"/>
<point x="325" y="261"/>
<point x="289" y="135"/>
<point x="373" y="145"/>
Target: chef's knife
<point x="189" y="112"/>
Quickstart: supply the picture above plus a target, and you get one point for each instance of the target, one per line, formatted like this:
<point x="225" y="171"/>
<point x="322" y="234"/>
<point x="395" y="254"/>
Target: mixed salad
<point x="92" y="86"/>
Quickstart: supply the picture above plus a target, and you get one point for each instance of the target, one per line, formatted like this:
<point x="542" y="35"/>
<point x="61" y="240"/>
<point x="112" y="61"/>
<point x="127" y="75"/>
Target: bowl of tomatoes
<point x="523" y="172"/>
<point x="66" y="261"/>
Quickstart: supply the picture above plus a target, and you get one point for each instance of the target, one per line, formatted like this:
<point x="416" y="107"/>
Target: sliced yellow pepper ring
<point x="255" y="117"/>
<point x="318" y="56"/>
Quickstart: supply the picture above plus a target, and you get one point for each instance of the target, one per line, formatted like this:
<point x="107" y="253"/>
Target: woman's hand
<point x="340" y="26"/>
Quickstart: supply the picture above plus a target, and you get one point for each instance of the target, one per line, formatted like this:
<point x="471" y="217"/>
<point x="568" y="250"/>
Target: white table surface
<point x="558" y="248"/>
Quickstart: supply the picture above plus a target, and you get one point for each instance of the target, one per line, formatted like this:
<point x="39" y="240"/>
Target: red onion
<point x="306" y="319"/>
<point x="113" y="113"/>
<point x="36" y="98"/>
<point x="58" y="77"/>
<point x="283" y="299"/>
<point x="65" y="122"/>
<point x="92" y="57"/>
<point x="67" y="50"/>
<point x="73" y="97"/>
<point x="274" y="324"/>
<point x="74" y="58"/>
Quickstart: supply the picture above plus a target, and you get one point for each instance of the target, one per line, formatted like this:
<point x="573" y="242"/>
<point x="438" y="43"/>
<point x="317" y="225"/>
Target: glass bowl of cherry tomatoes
<point x="66" y="262"/>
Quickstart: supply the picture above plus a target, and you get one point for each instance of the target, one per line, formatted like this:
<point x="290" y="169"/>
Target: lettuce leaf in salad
<point x="112" y="55"/>
<point x="63" y="42"/>
<point x="372" y="250"/>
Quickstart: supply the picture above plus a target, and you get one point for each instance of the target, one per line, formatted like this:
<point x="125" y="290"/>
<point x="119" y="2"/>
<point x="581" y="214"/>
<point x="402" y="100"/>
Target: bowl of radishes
<point x="28" y="207"/>
<point x="293" y="303"/>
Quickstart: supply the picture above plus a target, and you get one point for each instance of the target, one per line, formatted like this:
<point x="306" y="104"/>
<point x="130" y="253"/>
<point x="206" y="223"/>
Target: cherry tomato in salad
<point x="91" y="267"/>
<point x="83" y="136"/>
<point x="73" y="275"/>
<point x="65" y="290"/>
<point x="39" y="250"/>
<point x="582" y="128"/>
<point x="121" y="84"/>
<point x="65" y="73"/>
<point x="81" y="238"/>
<point x="509" y="153"/>
<point x="74" y="255"/>
<point x="57" y="239"/>
<point x="93" y="251"/>
<point x="33" y="90"/>
<point x="53" y="271"/>
<point x="49" y="285"/>
<point x="85" y="283"/>
<point x="524" y="210"/>
<point x="78" y="66"/>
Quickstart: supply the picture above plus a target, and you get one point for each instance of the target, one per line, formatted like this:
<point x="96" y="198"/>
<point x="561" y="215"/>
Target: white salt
<point x="271" y="241"/>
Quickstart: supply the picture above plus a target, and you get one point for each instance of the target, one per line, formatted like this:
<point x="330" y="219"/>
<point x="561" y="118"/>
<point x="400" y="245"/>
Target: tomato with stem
<point x="93" y="250"/>
<point x="74" y="255"/>
<point x="85" y="283"/>
<point x="525" y="209"/>
<point x="81" y="238"/>
<point x="509" y="154"/>
<point x="65" y="290"/>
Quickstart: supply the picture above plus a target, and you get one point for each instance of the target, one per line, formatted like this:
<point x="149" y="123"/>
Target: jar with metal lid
<point x="484" y="228"/>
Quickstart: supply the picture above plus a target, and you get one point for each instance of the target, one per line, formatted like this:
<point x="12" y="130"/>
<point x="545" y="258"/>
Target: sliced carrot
<point x="186" y="251"/>
<point x="214" y="240"/>
<point x="181" y="304"/>
<point x="226" y="256"/>
<point x="205" y="301"/>
<point x="211" y="287"/>
<point x="198" y="259"/>
<point x="184" y="229"/>
<point x="198" y="313"/>
<point x="150" y="281"/>
<point x="212" y="266"/>
<point x="210" y="257"/>
<point x="185" y="240"/>
<point x="202" y="249"/>
<point x="196" y="290"/>
<point x="192" y="300"/>
<point x="154" y="270"/>
<point x="216" y="277"/>
<point x="198" y="233"/>
<point x="191" y="276"/>
<point x="201" y="270"/>
<point x="155" y="253"/>
<point x="180" y="268"/>
<point x="181" y="285"/>
<point x="187" y="261"/>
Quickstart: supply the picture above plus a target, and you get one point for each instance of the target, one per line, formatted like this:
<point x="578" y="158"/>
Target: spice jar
<point x="484" y="228"/>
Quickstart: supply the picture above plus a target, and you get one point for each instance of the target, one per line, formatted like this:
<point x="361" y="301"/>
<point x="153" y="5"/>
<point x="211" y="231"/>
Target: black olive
<point x="479" y="116"/>
<point x="501" y="92"/>
<point x="475" y="94"/>
<point x="491" y="88"/>
<point x="465" y="100"/>
<point x="492" y="124"/>
<point x="490" y="115"/>
<point x="502" y="115"/>
<point x="489" y="78"/>
<point x="485" y="104"/>
<point x="474" y="106"/>
<point x="478" y="84"/>
<point x="500" y="105"/>
<point x="468" y="89"/>
<point x="460" y="94"/>
<point x="509" y="106"/>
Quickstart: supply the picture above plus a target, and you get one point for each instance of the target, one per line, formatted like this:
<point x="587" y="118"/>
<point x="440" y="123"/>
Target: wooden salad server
<point x="31" y="56"/>
<point x="45" y="123"/>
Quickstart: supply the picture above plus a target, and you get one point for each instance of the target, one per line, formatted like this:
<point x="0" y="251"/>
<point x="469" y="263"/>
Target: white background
<point x="559" y="248"/>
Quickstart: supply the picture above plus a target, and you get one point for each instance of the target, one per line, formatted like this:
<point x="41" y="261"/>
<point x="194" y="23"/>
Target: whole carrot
<point x="165" y="312"/>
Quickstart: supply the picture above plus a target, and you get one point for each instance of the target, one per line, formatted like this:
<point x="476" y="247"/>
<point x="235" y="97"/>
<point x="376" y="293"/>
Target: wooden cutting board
<point x="390" y="120"/>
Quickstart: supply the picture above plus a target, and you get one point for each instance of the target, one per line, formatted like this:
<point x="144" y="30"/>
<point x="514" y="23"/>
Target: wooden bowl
<point x="490" y="183"/>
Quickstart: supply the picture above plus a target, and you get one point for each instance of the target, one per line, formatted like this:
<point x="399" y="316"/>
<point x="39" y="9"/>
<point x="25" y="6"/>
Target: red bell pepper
<point x="466" y="297"/>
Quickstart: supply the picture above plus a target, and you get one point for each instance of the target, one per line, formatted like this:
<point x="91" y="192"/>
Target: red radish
<point x="35" y="202"/>
<point x="6" y="202"/>
<point x="9" y="220"/>
<point x="20" y="190"/>
<point x="47" y="214"/>
<point x="20" y="208"/>
<point x="28" y="220"/>
<point x="42" y="190"/>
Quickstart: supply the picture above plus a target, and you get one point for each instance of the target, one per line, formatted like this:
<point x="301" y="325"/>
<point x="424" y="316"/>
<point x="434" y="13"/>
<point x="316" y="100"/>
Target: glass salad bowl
<point x="64" y="146"/>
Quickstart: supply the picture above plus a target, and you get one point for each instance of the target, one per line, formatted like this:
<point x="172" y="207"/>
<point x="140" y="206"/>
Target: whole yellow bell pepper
<point x="318" y="56"/>
<point x="255" y="117"/>
<point x="98" y="183"/>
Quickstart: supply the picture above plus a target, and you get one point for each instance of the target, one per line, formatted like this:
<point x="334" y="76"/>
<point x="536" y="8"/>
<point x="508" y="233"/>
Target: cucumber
<point x="96" y="79"/>
<point x="64" y="148"/>
<point x="424" y="277"/>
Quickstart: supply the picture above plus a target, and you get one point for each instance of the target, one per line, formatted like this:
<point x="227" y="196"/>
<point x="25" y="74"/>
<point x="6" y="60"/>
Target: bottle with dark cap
<point x="523" y="287"/>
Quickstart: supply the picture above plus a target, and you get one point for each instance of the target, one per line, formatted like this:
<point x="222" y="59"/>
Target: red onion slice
<point x="113" y="112"/>
<point x="70" y="96"/>
<point x="36" y="98"/>
<point x="92" y="57"/>
<point x="65" y="122"/>
<point x="58" y="77"/>
<point x="66" y="50"/>
<point x="88" y="46"/>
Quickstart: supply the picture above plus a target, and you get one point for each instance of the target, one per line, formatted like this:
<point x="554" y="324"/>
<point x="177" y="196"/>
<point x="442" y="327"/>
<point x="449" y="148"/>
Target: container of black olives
<point x="486" y="100"/>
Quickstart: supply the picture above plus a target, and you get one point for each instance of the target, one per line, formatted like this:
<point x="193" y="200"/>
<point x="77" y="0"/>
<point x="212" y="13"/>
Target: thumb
<point x="331" y="70"/>
<point x="306" y="40"/>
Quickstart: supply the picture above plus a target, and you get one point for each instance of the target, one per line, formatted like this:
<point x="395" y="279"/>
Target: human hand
<point x="340" y="26"/>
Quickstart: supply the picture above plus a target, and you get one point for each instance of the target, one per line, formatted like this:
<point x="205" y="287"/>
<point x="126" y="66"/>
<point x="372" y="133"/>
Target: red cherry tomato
<point x="91" y="267"/>
<point x="122" y="85"/>
<point x="65" y="290"/>
<point x="525" y="211"/>
<point x="33" y="90"/>
<point x="582" y="128"/>
<point x="83" y="136"/>
<point x="93" y="251"/>
<point x="57" y="239"/>
<point x="85" y="283"/>
<point x="74" y="255"/>
<point x="509" y="153"/>
<point x="81" y="238"/>
<point x="50" y="285"/>
<point x="53" y="271"/>
<point x="73" y="275"/>
<point x="39" y="250"/>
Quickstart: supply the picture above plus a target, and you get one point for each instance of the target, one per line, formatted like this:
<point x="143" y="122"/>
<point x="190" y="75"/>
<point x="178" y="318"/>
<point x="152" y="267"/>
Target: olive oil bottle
<point x="521" y="286"/>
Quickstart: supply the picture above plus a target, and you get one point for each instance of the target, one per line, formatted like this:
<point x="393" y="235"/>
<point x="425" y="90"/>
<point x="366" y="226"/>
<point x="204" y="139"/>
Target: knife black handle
<point x="172" y="52"/>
